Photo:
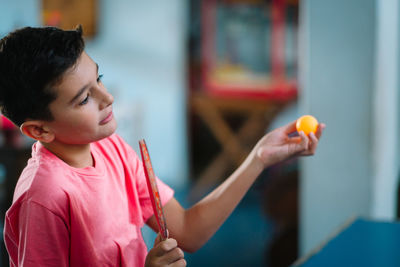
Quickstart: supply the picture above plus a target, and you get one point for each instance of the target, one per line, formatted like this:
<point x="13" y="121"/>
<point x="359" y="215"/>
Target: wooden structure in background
<point x="236" y="143"/>
<point x="67" y="14"/>
<point x="258" y="101"/>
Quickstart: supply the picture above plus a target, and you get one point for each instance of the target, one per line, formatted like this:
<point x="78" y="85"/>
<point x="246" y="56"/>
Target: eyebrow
<point x="83" y="89"/>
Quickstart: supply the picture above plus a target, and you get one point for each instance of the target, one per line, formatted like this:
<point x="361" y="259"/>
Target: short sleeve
<point x="134" y="164"/>
<point x="42" y="236"/>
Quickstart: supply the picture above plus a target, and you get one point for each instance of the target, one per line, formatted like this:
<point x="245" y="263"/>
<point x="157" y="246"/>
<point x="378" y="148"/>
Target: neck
<point x="77" y="156"/>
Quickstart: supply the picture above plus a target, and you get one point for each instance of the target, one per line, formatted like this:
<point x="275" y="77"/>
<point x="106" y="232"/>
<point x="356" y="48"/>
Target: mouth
<point x="107" y="119"/>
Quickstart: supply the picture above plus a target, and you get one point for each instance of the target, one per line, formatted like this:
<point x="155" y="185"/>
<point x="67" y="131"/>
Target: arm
<point x="193" y="227"/>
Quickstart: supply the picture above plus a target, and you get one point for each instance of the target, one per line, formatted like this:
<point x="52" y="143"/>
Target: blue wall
<point x="349" y="77"/>
<point x="386" y="110"/>
<point x="142" y="58"/>
<point x="337" y="79"/>
<point x="18" y="13"/>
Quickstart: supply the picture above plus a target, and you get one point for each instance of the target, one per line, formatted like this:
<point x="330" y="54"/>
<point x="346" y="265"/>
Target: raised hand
<point x="283" y="143"/>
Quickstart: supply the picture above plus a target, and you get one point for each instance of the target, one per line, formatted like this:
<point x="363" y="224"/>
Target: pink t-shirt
<point x="65" y="216"/>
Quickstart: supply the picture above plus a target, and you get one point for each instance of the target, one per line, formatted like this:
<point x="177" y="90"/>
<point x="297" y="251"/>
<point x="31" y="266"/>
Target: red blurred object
<point x="6" y="124"/>
<point x="278" y="88"/>
<point x="11" y="133"/>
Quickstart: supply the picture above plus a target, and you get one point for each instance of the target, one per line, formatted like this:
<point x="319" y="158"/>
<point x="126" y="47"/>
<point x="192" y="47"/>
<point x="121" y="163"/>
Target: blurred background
<point x="202" y="81"/>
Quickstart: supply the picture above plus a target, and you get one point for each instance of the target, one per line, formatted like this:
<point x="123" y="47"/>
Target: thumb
<point x="157" y="240"/>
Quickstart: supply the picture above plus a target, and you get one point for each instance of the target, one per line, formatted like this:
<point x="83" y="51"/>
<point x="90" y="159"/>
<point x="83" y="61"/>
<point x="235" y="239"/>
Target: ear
<point x="37" y="130"/>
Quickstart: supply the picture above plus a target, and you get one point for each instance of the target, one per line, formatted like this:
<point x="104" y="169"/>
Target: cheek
<point x="85" y="124"/>
<point x="74" y="124"/>
<point x="86" y="117"/>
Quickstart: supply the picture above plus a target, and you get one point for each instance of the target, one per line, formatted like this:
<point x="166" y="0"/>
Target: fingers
<point x="314" y="139"/>
<point x="304" y="142"/>
<point x="179" y="263"/>
<point x="174" y="256"/>
<point x="165" y="253"/>
<point x="281" y="144"/>
<point x="308" y="144"/>
<point x="166" y="246"/>
<point x="313" y="144"/>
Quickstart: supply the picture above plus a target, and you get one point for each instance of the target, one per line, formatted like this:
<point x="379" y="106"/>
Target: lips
<point x="107" y="119"/>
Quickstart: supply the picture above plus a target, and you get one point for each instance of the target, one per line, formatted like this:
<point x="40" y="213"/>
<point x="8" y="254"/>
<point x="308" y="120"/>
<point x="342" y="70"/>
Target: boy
<point x="82" y="197"/>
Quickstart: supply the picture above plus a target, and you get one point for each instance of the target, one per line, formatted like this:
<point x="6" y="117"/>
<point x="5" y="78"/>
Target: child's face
<point x="83" y="109"/>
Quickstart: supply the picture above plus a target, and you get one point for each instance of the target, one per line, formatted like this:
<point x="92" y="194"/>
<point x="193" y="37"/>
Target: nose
<point x="106" y="99"/>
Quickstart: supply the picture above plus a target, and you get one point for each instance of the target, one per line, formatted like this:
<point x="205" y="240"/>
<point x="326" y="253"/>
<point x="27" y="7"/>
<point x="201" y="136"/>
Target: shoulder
<point x="43" y="181"/>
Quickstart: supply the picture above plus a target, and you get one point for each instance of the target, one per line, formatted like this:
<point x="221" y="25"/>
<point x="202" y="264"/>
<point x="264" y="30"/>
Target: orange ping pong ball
<point x="307" y="124"/>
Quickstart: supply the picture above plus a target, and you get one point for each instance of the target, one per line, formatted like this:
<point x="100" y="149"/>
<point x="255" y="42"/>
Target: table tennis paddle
<point x="153" y="190"/>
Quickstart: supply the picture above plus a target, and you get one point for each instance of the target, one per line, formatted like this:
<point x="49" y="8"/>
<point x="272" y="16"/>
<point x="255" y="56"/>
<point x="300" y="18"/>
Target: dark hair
<point x="32" y="61"/>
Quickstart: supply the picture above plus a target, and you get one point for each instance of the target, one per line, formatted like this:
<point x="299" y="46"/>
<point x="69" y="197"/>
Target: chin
<point x="112" y="127"/>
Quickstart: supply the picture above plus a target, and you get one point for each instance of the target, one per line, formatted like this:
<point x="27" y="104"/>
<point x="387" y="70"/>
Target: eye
<point x="99" y="78"/>
<point x="84" y="101"/>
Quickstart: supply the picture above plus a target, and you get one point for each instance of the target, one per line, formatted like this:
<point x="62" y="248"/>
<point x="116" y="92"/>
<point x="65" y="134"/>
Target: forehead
<point x="77" y="76"/>
<point x="83" y="68"/>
